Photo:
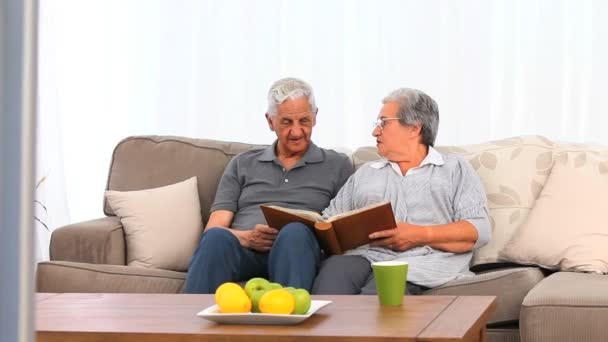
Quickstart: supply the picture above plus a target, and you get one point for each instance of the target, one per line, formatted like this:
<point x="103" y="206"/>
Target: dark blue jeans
<point x="292" y="261"/>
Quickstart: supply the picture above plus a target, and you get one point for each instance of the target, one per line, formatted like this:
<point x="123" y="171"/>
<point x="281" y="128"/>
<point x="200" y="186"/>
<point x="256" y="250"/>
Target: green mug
<point x="391" y="277"/>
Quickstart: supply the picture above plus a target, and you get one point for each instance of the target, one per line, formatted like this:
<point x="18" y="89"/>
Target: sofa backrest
<point x="513" y="172"/>
<point x="145" y="162"/>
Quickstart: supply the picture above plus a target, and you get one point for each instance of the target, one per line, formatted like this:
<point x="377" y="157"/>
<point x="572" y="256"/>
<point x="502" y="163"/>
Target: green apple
<point x="303" y="300"/>
<point x="290" y="289"/>
<point x="274" y="286"/>
<point x="255" y="300"/>
<point x="256" y="284"/>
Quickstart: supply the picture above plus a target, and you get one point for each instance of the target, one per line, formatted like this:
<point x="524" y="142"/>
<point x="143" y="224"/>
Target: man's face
<point x="393" y="137"/>
<point x="293" y="125"/>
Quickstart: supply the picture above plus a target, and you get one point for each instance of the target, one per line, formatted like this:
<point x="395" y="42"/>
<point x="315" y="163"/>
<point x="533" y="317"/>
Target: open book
<point x="338" y="233"/>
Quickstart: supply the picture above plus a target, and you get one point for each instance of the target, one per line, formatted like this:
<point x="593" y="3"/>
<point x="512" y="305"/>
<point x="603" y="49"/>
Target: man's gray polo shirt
<point x="257" y="177"/>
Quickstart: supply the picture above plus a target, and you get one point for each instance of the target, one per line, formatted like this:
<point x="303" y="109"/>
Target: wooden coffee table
<point x="172" y="317"/>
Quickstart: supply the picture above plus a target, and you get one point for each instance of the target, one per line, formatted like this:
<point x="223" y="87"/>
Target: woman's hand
<point x="401" y="238"/>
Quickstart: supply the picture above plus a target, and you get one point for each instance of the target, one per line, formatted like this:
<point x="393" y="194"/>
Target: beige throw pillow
<point x="568" y="228"/>
<point x="162" y="225"/>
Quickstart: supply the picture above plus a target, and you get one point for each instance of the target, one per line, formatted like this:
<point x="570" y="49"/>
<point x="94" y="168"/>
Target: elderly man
<point x="438" y="202"/>
<point x="237" y="244"/>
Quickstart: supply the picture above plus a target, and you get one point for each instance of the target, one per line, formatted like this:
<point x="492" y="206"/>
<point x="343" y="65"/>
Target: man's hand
<point x="260" y="238"/>
<point x="401" y="238"/>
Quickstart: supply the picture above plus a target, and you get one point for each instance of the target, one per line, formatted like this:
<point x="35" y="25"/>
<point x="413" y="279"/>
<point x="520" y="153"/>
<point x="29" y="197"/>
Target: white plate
<point x="212" y="313"/>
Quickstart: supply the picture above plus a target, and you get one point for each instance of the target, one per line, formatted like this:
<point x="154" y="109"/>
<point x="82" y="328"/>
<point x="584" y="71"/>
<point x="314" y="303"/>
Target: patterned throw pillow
<point x="566" y="229"/>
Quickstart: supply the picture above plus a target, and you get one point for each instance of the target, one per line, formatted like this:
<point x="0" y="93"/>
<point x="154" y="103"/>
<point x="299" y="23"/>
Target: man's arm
<point x="220" y="218"/>
<point x="260" y="238"/>
<point x="457" y="237"/>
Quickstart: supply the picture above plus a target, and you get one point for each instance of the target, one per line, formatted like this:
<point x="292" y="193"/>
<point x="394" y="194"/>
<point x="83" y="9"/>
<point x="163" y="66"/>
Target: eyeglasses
<point x="381" y="122"/>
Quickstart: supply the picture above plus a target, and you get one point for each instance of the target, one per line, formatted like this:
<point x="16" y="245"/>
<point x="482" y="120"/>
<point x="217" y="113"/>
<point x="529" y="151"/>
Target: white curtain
<point x="51" y="202"/>
<point x="114" y="68"/>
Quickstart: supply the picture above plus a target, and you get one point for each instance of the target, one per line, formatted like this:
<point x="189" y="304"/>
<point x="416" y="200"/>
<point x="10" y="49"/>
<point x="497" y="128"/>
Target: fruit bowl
<point x="212" y="313"/>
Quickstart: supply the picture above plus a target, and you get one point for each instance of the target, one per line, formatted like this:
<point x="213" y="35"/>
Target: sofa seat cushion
<point x="510" y="286"/>
<point x="566" y="306"/>
<point x="66" y="276"/>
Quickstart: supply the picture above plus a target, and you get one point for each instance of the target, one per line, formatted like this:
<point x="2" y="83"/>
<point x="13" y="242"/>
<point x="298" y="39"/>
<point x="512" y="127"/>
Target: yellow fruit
<point x="226" y="287"/>
<point x="234" y="302"/>
<point x="277" y="301"/>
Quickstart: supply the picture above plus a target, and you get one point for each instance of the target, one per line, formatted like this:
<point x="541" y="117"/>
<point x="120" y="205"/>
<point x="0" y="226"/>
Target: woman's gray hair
<point x="289" y="88"/>
<point x="417" y="108"/>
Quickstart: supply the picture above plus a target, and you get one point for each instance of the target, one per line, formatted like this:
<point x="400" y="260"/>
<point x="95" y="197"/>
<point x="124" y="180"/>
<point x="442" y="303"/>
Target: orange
<point x="234" y="302"/>
<point x="277" y="301"/>
<point x="226" y="287"/>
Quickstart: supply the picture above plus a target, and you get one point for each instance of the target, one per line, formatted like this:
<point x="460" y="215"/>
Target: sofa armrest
<point x="100" y="241"/>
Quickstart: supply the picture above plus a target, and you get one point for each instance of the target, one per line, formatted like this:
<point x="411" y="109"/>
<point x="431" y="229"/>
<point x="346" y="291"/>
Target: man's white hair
<point x="289" y="88"/>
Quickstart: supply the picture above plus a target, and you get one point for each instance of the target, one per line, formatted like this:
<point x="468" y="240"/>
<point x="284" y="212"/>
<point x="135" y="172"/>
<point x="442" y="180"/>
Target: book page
<point x="352" y="212"/>
<point x="311" y="215"/>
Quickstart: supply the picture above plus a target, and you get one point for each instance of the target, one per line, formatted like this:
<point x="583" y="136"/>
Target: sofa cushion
<point x="513" y="172"/>
<point x="566" y="306"/>
<point x="510" y="286"/>
<point x="570" y="211"/>
<point x="162" y="225"/>
<point x="146" y="162"/>
<point x="65" y="276"/>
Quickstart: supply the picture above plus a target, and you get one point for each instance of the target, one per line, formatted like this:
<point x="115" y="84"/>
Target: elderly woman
<point x="438" y="202"/>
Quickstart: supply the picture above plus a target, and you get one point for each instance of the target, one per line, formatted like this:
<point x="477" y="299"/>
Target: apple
<point x="289" y="288"/>
<point x="303" y="300"/>
<point x="274" y="286"/>
<point x="255" y="300"/>
<point x="256" y="284"/>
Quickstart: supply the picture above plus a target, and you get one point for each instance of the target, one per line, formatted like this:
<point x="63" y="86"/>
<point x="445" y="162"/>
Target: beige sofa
<point x="533" y="304"/>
